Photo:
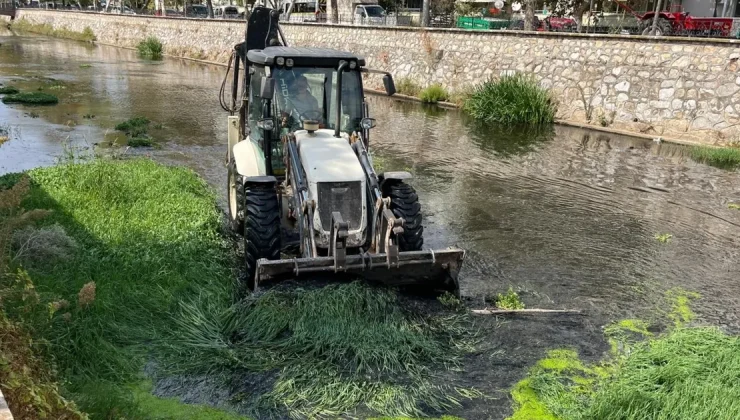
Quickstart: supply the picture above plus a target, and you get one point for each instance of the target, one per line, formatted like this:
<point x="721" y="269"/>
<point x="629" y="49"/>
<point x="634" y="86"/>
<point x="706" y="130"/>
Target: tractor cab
<point x="310" y="89"/>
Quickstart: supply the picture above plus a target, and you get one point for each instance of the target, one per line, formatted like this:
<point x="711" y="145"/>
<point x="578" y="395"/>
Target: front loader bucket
<point x="429" y="270"/>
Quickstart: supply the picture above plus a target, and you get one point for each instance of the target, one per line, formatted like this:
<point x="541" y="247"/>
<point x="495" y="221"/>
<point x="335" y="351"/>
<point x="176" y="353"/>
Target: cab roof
<point x="303" y="57"/>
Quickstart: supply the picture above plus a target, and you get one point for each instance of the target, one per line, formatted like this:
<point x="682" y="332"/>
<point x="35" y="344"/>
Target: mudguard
<point x="249" y="159"/>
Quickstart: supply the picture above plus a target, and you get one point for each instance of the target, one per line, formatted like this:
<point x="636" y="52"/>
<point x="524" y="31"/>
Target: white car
<point x="369" y="14"/>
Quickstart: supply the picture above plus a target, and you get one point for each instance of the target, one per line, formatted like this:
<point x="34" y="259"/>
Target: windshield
<point x="311" y="93"/>
<point x="374" y="11"/>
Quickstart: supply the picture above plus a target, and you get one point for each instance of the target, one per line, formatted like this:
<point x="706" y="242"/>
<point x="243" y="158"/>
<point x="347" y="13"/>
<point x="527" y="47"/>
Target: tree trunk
<point x="655" y="18"/>
<point x="334" y="11"/>
<point x="529" y="16"/>
<point x="579" y="15"/>
<point x="209" y="6"/>
<point x="425" y="13"/>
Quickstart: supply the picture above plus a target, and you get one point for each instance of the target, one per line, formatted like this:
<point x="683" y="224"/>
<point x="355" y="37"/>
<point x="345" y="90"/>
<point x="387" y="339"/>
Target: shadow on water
<point x="506" y="141"/>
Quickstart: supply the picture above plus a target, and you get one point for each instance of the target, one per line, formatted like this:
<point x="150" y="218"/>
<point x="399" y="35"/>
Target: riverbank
<point x="126" y="279"/>
<point x="666" y="87"/>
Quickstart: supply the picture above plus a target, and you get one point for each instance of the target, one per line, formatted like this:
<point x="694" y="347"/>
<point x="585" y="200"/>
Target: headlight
<point x="289" y="62"/>
<point x="280" y="61"/>
<point x="367" y="123"/>
<point x="267" y="124"/>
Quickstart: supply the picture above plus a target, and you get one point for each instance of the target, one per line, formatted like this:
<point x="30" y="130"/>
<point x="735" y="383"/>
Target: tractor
<point x="300" y="176"/>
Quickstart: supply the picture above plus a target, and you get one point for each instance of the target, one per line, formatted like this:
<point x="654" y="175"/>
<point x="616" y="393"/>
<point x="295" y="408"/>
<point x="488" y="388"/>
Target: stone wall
<point x="679" y="88"/>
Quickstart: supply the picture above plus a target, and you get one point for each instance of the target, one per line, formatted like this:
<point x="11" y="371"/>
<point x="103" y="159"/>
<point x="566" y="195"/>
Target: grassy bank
<point x="31" y="98"/>
<point x="86" y="35"/>
<point x="683" y="373"/>
<point x="122" y="265"/>
<point x="721" y="157"/>
<point x="131" y="240"/>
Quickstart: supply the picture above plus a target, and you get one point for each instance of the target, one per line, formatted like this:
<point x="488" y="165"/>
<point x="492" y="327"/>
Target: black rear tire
<point x="261" y="228"/>
<point x="405" y="205"/>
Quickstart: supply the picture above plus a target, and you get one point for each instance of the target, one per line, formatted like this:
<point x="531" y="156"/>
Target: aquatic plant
<point x="136" y="130"/>
<point x="721" y="157"/>
<point x="8" y="90"/>
<point x="407" y="86"/>
<point x="509" y="300"/>
<point x="150" y="48"/>
<point x="685" y="373"/>
<point x="141" y="141"/>
<point x="663" y="237"/>
<point x="433" y="94"/>
<point x="514" y="99"/>
<point x="334" y="348"/>
<point x="31" y="98"/>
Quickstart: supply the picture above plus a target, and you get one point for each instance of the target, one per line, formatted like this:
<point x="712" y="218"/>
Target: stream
<point x="565" y="216"/>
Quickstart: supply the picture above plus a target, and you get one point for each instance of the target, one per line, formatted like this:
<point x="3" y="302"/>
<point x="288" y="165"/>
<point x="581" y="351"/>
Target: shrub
<point x="150" y="48"/>
<point x="8" y="90"/>
<point x="433" y="94"/>
<point x="721" y="157"/>
<point x="31" y="98"/>
<point x="45" y="244"/>
<point x="408" y="87"/>
<point x="511" y="100"/>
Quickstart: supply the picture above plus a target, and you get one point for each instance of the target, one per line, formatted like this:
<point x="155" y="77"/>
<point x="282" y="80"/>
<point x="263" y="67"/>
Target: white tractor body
<point x="336" y="182"/>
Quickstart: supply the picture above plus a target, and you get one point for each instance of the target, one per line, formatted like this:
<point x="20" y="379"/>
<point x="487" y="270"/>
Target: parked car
<point x="173" y="12"/>
<point x="118" y="11"/>
<point x="196" y="11"/>
<point x="226" y="12"/>
<point x="369" y="14"/>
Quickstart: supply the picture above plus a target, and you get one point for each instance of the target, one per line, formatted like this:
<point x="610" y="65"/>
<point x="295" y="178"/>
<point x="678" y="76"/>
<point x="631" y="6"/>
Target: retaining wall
<point x="674" y="87"/>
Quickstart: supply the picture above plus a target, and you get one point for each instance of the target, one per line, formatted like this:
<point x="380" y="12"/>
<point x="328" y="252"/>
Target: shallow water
<point x="567" y="216"/>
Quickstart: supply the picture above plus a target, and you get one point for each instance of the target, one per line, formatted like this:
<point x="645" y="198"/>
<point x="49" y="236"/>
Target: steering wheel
<point x="310" y="114"/>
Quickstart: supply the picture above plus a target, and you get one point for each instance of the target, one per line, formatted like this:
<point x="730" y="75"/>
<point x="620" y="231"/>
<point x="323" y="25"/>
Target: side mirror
<point x="390" y="87"/>
<point x="367" y="123"/>
<point x="267" y="88"/>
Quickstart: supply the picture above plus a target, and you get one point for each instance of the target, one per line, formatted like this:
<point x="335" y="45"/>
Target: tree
<point x="209" y="6"/>
<point x="425" y="9"/>
<point x="334" y="11"/>
<point x="574" y="8"/>
<point x="529" y="15"/>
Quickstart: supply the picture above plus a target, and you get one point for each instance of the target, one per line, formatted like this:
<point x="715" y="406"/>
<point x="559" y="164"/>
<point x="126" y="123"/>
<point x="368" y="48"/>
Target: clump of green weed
<point x="663" y="237"/>
<point x="733" y="206"/>
<point x="140" y="142"/>
<point x="433" y="94"/>
<point x="514" y="99"/>
<point x="721" y="157"/>
<point x="406" y="86"/>
<point x="509" y="300"/>
<point x="137" y="132"/>
<point x="450" y="301"/>
<point x="150" y="48"/>
<point x="8" y="90"/>
<point x="85" y="66"/>
<point x="31" y="98"/>
<point x="336" y="349"/>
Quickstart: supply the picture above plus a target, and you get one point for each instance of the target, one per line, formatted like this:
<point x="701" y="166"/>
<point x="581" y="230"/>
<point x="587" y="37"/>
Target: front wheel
<point x="405" y="205"/>
<point x="664" y="28"/>
<point x="261" y="228"/>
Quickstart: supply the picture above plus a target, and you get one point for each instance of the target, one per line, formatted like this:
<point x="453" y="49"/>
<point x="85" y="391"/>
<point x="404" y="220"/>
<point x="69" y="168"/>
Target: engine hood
<point x="326" y="158"/>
